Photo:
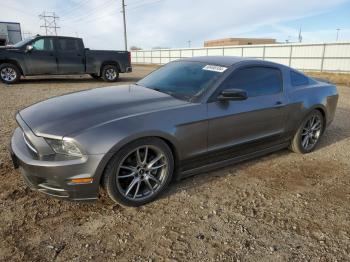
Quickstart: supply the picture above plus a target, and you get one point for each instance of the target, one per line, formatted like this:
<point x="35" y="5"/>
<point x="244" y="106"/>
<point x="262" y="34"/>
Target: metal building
<point x="239" y="41"/>
<point x="10" y="33"/>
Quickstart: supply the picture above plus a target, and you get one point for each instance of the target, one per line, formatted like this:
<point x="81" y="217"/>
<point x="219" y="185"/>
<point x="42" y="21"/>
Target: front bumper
<point x="52" y="174"/>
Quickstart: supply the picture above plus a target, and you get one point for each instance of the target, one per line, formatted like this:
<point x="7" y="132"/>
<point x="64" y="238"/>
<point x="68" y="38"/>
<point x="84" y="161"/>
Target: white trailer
<point x="10" y="33"/>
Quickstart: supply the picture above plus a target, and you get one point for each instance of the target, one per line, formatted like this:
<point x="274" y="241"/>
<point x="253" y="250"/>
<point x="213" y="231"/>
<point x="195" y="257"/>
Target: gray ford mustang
<point x="187" y="117"/>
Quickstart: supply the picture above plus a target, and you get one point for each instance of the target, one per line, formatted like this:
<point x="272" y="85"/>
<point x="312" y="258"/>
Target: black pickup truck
<point x="58" y="55"/>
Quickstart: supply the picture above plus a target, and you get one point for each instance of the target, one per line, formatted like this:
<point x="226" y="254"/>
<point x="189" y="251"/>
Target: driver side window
<point x="43" y="44"/>
<point x="256" y="81"/>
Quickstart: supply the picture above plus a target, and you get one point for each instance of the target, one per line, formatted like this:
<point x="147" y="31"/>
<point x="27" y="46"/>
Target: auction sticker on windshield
<point x="215" y="68"/>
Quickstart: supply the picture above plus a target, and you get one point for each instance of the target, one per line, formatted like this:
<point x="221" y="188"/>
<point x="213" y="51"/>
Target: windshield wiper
<point x="164" y="91"/>
<point x="170" y="93"/>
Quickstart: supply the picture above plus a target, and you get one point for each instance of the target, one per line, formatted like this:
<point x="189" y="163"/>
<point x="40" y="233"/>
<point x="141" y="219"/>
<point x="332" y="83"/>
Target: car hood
<point x="4" y="51"/>
<point x="8" y="48"/>
<point x="64" y="115"/>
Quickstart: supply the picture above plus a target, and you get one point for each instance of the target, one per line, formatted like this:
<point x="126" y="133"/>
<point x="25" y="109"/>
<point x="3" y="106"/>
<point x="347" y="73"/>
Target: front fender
<point x="17" y="62"/>
<point x="122" y="140"/>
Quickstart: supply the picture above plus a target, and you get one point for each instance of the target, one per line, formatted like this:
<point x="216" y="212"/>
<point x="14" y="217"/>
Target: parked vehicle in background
<point x="185" y="118"/>
<point x="10" y="33"/>
<point x="58" y="55"/>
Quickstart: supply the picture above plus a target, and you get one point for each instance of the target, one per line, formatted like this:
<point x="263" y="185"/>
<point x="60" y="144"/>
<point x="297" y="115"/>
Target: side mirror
<point x="232" y="94"/>
<point x="29" y="48"/>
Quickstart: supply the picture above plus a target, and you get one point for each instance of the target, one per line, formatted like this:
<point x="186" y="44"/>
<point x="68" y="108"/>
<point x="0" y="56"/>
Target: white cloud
<point x="167" y="22"/>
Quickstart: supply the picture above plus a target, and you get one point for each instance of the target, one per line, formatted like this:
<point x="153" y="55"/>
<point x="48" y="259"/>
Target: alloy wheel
<point x="111" y="74"/>
<point x="8" y="74"/>
<point x="142" y="173"/>
<point x="311" y="132"/>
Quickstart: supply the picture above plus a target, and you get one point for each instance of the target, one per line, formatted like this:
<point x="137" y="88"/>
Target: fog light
<point x="81" y="181"/>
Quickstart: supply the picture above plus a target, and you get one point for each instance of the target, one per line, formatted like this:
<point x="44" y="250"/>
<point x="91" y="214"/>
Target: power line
<point x="70" y="10"/>
<point x="144" y="4"/>
<point x="90" y="19"/>
<point x="26" y="34"/>
<point x="137" y="3"/>
<point x="50" y="24"/>
<point x="17" y="9"/>
<point x="87" y="14"/>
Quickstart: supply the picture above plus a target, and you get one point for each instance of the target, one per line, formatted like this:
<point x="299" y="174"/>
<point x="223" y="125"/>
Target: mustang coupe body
<point x="187" y="117"/>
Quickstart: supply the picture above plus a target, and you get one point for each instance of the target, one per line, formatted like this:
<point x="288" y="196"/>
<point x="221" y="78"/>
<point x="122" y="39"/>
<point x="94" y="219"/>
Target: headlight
<point x="64" y="147"/>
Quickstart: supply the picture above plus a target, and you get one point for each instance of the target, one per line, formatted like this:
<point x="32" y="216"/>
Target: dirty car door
<point x="42" y="58"/>
<point x="70" y="56"/>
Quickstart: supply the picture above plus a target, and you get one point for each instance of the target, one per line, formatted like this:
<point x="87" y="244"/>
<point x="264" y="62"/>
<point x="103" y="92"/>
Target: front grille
<point x="29" y="144"/>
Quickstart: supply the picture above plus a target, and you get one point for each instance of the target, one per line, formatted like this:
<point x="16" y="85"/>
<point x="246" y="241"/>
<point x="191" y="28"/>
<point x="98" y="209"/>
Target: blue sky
<point x="171" y="23"/>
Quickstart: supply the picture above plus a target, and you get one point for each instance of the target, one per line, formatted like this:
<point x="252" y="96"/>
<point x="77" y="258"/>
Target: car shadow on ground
<point x="338" y="129"/>
<point x="201" y="179"/>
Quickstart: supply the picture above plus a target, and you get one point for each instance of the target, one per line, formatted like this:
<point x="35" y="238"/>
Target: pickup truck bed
<point x="94" y="60"/>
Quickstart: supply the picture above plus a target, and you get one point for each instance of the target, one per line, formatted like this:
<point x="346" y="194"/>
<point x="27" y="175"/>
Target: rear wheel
<point x="9" y="73"/>
<point x="139" y="172"/>
<point x="309" y="133"/>
<point x="110" y="73"/>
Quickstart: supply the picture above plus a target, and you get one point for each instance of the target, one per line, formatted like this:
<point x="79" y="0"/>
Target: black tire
<point x="9" y="73"/>
<point x="110" y="73"/>
<point x="124" y="158"/>
<point x="95" y="76"/>
<point x="297" y="144"/>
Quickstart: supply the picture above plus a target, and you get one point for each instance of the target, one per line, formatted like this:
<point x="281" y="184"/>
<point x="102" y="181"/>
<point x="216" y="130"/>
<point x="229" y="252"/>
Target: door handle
<point x="278" y="104"/>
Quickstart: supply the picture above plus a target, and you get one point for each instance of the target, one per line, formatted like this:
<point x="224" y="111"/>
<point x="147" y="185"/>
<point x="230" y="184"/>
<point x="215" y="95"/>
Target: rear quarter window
<point x="298" y="79"/>
<point x="68" y="45"/>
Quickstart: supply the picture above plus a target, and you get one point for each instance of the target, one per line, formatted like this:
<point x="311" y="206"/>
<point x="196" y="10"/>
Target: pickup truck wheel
<point x="110" y="73"/>
<point x="9" y="73"/>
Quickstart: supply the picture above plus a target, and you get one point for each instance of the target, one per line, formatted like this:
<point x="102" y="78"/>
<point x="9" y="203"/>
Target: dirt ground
<point x="281" y="207"/>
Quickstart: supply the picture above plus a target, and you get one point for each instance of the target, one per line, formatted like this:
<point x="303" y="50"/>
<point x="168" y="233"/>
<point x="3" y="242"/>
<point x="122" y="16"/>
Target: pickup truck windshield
<point x="23" y="42"/>
<point x="183" y="79"/>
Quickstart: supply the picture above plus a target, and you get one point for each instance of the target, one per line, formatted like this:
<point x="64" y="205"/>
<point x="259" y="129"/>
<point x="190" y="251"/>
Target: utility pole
<point x="50" y="23"/>
<point x="300" y="37"/>
<point x="189" y="43"/>
<point x="124" y="20"/>
<point x="338" y="29"/>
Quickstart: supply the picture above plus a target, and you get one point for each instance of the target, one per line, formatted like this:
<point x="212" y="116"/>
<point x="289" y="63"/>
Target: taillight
<point x="129" y="56"/>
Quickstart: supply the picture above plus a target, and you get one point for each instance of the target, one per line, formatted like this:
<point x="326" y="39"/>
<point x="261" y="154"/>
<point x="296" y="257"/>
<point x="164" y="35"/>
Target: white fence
<point x="310" y="57"/>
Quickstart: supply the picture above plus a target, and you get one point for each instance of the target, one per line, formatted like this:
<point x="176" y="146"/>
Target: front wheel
<point x="139" y="172"/>
<point x="308" y="134"/>
<point x="9" y="73"/>
<point x="110" y="73"/>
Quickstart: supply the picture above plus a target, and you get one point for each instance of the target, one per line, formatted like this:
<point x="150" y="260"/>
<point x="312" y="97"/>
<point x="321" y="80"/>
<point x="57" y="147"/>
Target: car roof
<point x="219" y="60"/>
<point x="56" y="36"/>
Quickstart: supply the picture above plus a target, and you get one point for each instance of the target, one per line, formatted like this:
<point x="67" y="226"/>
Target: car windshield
<point x="23" y="42"/>
<point x="182" y="79"/>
